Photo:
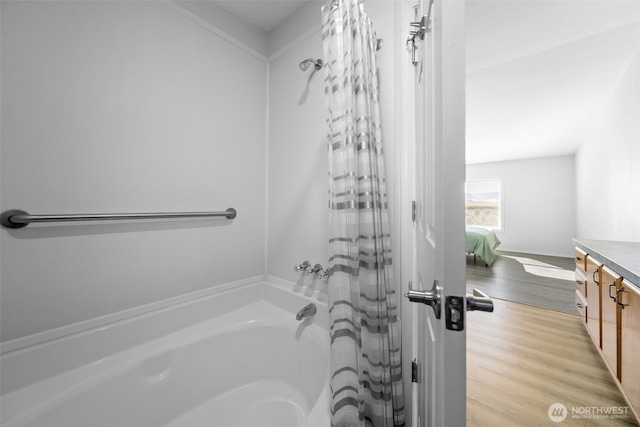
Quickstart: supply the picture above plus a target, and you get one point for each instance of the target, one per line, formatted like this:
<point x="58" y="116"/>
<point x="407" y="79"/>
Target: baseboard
<point x="534" y="252"/>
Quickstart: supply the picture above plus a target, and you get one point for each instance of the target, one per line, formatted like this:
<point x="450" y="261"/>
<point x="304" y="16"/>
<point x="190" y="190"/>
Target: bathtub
<point x="250" y="364"/>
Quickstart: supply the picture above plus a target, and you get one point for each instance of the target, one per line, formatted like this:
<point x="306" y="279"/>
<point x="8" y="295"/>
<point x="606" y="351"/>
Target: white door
<point x="439" y="260"/>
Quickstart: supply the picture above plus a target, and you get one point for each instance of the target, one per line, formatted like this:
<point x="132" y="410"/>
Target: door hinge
<point x="413" y="211"/>
<point x="414" y="371"/>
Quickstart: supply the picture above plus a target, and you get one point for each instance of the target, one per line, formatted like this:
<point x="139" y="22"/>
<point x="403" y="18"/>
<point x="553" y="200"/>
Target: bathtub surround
<point x="124" y="107"/>
<point x="366" y="368"/>
<point x="137" y="122"/>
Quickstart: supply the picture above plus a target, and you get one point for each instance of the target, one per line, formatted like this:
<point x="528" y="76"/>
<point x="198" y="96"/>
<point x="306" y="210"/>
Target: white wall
<point x="608" y="166"/>
<point x="124" y="107"/>
<point x="539" y="203"/>
<point x="298" y="164"/>
<point x="297" y="196"/>
<point x="301" y="24"/>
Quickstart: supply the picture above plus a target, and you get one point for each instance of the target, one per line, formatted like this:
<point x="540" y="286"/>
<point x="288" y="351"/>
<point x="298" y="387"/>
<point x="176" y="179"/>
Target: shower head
<point x="307" y="62"/>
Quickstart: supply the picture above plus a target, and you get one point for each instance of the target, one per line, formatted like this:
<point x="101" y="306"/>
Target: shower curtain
<point x="366" y="371"/>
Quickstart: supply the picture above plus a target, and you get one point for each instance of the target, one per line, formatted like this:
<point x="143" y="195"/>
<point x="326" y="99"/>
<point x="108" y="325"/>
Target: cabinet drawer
<point x="581" y="305"/>
<point x="581" y="258"/>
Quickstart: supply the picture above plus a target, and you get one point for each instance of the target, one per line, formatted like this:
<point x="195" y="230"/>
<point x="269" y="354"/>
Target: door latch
<point x="414" y="371"/>
<point x="454" y="309"/>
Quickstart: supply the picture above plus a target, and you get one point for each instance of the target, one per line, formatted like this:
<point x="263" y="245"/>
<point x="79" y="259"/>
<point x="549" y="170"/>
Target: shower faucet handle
<point x="315" y="270"/>
<point x="322" y="274"/>
<point x="302" y="267"/>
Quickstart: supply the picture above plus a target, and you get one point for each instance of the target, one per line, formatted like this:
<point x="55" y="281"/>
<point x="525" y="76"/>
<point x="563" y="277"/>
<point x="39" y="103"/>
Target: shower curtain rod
<point x="15" y="218"/>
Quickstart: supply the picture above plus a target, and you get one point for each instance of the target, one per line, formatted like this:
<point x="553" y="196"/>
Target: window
<point x="483" y="200"/>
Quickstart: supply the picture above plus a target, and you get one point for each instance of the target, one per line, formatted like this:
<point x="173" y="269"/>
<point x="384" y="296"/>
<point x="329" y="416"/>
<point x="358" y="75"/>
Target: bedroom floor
<point x="542" y="281"/>
<point x="522" y="359"/>
<point x="533" y="351"/>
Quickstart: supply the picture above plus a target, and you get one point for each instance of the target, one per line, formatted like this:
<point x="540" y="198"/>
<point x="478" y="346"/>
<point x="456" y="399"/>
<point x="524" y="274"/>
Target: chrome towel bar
<point x="14" y="218"/>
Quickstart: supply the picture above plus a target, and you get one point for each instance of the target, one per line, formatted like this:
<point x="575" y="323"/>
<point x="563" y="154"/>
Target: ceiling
<point x="264" y="14"/>
<point x="538" y="71"/>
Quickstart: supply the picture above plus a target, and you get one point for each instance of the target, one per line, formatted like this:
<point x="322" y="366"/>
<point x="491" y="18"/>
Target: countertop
<point x="621" y="257"/>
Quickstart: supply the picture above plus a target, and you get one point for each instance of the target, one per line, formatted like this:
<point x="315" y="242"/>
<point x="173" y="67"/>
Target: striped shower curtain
<point x="366" y="371"/>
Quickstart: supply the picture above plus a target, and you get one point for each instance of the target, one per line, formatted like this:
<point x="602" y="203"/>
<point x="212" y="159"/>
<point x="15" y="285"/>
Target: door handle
<point x="610" y="296"/>
<point x="479" y="301"/>
<point x="619" y="299"/>
<point x="432" y="297"/>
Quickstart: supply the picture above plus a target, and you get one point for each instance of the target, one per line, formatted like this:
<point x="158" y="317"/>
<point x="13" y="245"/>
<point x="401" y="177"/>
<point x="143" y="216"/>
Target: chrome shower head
<point x="307" y="62"/>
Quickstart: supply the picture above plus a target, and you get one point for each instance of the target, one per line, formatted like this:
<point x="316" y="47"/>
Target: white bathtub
<point x="249" y="366"/>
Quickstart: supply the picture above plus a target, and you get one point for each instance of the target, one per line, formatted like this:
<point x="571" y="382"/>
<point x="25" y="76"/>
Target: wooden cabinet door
<point x="594" y="278"/>
<point x="610" y="330"/>
<point x="630" y="343"/>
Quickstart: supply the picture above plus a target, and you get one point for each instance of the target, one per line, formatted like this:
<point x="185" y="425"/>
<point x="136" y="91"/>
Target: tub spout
<point x="308" y="310"/>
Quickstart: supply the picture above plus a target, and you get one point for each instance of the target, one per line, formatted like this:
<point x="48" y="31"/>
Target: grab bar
<point x="15" y="218"/>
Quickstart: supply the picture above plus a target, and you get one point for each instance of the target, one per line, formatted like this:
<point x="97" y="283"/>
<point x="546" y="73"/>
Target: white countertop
<point x="621" y="257"/>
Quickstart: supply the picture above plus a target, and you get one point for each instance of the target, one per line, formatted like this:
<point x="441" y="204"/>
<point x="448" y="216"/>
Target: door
<point x="439" y="257"/>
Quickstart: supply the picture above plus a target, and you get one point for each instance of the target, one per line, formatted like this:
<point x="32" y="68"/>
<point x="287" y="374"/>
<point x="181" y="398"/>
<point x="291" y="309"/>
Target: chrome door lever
<point x="479" y="301"/>
<point x="432" y="297"/>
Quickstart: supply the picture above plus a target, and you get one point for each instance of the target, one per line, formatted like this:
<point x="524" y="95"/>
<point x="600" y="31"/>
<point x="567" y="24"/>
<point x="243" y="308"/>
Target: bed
<point x="482" y="242"/>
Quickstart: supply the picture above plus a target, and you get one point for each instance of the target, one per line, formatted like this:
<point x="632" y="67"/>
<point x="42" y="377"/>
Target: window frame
<point x="498" y="187"/>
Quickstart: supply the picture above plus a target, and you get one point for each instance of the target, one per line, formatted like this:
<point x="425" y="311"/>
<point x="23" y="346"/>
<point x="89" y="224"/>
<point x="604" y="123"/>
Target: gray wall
<point x="539" y="203"/>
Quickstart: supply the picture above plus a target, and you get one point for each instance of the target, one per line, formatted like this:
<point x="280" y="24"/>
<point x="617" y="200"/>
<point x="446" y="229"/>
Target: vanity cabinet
<point x="608" y="301"/>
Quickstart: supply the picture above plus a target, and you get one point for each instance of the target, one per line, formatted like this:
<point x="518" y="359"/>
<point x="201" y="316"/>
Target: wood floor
<point x="507" y="279"/>
<point x="521" y="359"/>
